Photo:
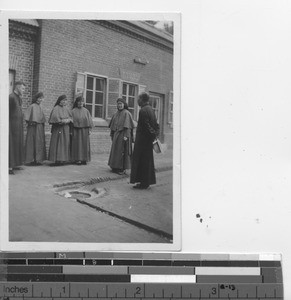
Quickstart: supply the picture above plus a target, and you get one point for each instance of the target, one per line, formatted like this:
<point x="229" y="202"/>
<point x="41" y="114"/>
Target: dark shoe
<point x="84" y="162"/>
<point x="121" y="172"/>
<point x="78" y="163"/>
<point x="33" y="164"/>
<point x="140" y="186"/>
<point x="57" y="164"/>
<point x="144" y="187"/>
<point x="11" y="172"/>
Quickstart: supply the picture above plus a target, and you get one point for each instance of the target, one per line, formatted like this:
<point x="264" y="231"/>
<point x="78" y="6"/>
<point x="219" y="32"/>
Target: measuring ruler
<point x="144" y="276"/>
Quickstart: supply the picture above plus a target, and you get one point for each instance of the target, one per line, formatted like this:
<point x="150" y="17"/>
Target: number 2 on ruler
<point x="137" y="291"/>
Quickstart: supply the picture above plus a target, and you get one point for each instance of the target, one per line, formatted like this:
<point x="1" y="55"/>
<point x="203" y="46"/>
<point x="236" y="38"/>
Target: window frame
<point x="105" y="93"/>
<point x="135" y="108"/>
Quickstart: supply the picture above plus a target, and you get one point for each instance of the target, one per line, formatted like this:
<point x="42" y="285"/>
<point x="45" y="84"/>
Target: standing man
<point x="16" y="148"/>
<point x="143" y="169"/>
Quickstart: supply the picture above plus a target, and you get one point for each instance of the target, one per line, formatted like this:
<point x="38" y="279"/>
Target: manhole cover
<point x="79" y="195"/>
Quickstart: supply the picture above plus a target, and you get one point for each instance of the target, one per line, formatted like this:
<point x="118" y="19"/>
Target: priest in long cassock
<point x="121" y="128"/>
<point x="35" y="151"/>
<point x="60" y="119"/>
<point x="16" y="148"/>
<point x="82" y="125"/>
<point x="143" y="168"/>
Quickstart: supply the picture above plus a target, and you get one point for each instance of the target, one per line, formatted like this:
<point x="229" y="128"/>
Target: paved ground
<point x="151" y="207"/>
<point x="39" y="210"/>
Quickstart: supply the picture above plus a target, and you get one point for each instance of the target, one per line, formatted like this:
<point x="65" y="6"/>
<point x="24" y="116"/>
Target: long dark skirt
<point x="60" y="143"/>
<point x="120" y="153"/>
<point x="35" y="144"/>
<point x="16" y="148"/>
<point x="81" y="145"/>
<point x="143" y="168"/>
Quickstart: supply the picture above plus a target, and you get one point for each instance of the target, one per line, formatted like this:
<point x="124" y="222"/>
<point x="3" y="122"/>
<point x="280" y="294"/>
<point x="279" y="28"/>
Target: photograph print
<point x="91" y="132"/>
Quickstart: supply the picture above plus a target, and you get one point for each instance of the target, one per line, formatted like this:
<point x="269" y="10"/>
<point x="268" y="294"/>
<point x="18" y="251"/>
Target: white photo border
<point x="5" y="244"/>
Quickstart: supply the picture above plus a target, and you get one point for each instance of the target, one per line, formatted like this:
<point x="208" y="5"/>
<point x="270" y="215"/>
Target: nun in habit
<point x="121" y="128"/>
<point x="60" y="119"/>
<point x="35" y="151"/>
<point x="82" y="125"/>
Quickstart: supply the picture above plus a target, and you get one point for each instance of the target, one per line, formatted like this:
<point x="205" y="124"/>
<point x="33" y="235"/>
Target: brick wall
<point x="21" y="53"/>
<point x="100" y="141"/>
<point x="69" y="46"/>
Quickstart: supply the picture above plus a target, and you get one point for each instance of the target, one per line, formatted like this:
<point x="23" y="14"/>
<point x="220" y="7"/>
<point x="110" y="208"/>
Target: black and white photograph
<point x="91" y="131"/>
<point x="213" y="76"/>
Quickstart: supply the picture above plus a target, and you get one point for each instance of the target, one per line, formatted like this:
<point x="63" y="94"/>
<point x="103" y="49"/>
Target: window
<point x="100" y="94"/>
<point x="95" y="96"/>
<point x="129" y="92"/>
<point x="155" y="102"/>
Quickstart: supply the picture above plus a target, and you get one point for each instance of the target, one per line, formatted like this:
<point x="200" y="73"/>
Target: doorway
<point x="157" y="102"/>
<point x="11" y="80"/>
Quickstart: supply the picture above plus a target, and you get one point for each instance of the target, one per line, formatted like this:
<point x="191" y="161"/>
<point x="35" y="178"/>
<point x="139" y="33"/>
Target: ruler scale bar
<point x="265" y="264"/>
<point x="126" y="290"/>
<point x="143" y="276"/>
<point x="97" y="269"/>
<point x="105" y="277"/>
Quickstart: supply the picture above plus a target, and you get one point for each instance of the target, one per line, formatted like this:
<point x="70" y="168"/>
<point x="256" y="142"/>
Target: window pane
<point x="90" y="83"/>
<point x="89" y="107"/>
<point x="131" y="90"/>
<point x="129" y="95"/>
<point x="98" y="98"/>
<point x="99" y="84"/>
<point x="131" y="102"/>
<point x="89" y="97"/>
<point x="131" y="110"/>
<point x="98" y="111"/>
<point x="157" y="114"/>
<point x="124" y="89"/>
<point x="154" y="102"/>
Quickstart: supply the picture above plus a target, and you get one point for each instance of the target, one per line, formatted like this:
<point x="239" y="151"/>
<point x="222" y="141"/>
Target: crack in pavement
<point x="153" y="230"/>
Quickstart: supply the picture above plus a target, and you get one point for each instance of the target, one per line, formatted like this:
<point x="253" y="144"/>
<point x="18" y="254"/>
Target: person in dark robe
<point x="35" y="150"/>
<point x="60" y="119"/>
<point x="82" y="125"/>
<point x="16" y="149"/>
<point x="121" y="127"/>
<point x="143" y="169"/>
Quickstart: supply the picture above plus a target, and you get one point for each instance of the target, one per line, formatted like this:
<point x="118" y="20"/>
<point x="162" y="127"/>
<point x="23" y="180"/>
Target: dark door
<point x="157" y="101"/>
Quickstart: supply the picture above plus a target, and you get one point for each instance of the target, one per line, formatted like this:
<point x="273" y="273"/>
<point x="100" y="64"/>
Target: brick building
<point x="102" y="60"/>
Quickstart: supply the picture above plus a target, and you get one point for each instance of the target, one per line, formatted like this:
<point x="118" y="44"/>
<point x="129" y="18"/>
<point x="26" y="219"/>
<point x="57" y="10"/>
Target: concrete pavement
<point x="96" y="169"/>
<point x="35" y="204"/>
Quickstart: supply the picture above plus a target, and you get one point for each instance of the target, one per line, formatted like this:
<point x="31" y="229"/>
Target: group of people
<point x="69" y="132"/>
<point x="70" y="136"/>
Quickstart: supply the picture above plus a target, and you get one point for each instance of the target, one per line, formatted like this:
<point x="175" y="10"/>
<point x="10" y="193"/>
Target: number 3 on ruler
<point x="213" y="291"/>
